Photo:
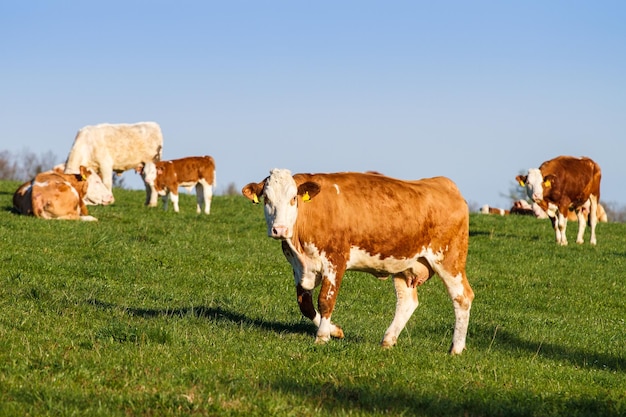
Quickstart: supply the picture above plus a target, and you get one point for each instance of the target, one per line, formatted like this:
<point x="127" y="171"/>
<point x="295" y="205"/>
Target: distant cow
<point x="565" y="184"/>
<point x="522" y="207"/>
<point x="53" y="195"/>
<point x="167" y="176"/>
<point x="330" y="223"/>
<point x="109" y="148"/>
<point x="487" y="209"/>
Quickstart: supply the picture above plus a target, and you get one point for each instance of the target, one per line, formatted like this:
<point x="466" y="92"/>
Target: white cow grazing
<point x="109" y="148"/>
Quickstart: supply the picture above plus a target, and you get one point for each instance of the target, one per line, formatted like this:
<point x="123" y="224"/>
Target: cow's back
<point x="387" y="216"/>
<point x="194" y="168"/>
<point x="125" y="145"/>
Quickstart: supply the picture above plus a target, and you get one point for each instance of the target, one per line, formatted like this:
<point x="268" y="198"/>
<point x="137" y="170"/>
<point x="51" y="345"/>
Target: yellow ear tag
<point x="255" y="199"/>
<point x="306" y="197"/>
<point x="521" y="183"/>
<point x="84" y="177"/>
<point x="547" y="183"/>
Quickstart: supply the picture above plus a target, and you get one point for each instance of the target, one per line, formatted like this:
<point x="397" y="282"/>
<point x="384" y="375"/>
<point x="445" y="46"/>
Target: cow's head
<point x="148" y="172"/>
<point x="281" y="197"/>
<point x="97" y="193"/>
<point x="535" y="183"/>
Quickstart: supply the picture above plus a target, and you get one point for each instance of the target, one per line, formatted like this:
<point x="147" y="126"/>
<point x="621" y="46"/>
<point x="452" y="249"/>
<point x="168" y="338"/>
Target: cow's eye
<point x="294" y="200"/>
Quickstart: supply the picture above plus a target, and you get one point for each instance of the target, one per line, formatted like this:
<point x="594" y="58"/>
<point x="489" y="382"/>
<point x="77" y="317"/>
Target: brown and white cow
<point x="167" y="176"/>
<point x="487" y="209"/>
<point x="54" y="195"/>
<point x="330" y="223"/>
<point x="97" y="193"/>
<point x="109" y="148"/>
<point x="565" y="184"/>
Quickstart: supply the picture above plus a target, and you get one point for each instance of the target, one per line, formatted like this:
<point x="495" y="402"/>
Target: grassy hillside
<point x="149" y="312"/>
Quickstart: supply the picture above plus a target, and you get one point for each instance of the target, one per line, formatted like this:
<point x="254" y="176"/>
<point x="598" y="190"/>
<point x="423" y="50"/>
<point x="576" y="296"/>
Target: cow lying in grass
<point x="54" y="195"/>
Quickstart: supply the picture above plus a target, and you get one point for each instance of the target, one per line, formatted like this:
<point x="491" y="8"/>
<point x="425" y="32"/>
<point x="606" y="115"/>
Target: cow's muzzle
<point x="279" y="232"/>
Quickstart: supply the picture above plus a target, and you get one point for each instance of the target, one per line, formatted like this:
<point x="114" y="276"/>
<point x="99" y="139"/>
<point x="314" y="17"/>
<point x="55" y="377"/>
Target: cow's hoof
<point x="321" y="340"/>
<point x="337" y="332"/>
<point x="455" y="351"/>
<point x="388" y="343"/>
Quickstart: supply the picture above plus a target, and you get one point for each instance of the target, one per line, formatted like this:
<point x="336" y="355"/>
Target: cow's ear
<point x="252" y="191"/>
<point x="521" y="179"/>
<point x="308" y="190"/>
<point x="84" y="173"/>
<point x="548" y="181"/>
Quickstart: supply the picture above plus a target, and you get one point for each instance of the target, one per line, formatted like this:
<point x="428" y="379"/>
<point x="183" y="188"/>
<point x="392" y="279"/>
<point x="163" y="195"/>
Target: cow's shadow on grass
<point x="218" y="313"/>
<point x="359" y="398"/>
<point x="501" y="339"/>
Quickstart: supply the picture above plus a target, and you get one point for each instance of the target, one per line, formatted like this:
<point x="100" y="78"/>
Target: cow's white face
<point x="281" y="204"/>
<point x="149" y="173"/>
<point x="534" y="184"/>
<point x="97" y="192"/>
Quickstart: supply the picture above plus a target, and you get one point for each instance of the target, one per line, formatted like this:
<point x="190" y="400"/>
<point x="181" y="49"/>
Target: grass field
<point x="152" y="313"/>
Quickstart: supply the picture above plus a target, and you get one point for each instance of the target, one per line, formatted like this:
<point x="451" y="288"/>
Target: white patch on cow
<point x="281" y="208"/>
<point x="534" y="184"/>
<point x="553" y="209"/>
<point x="316" y="264"/>
<point x="336" y="188"/>
<point x="362" y="260"/>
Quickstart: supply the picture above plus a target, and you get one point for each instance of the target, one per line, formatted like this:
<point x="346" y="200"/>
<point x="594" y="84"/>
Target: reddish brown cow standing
<point x="167" y="176"/>
<point x="330" y="223"/>
<point x="54" y="195"/>
<point x="565" y="184"/>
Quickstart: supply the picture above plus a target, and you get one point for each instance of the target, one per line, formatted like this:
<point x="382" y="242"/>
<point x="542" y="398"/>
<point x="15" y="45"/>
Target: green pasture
<point x="153" y="313"/>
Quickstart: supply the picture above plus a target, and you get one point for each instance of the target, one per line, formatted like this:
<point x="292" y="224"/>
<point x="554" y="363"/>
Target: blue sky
<point x="473" y="90"/>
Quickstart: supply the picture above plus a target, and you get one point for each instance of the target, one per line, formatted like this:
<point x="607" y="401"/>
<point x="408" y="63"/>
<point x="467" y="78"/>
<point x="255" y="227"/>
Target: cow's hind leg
<point x="593" y="218"/>
<point x="406" y="303"/>
<point x="462" y="296"/>
<point x="204" y="191"/>
<point x="199" y="198"/>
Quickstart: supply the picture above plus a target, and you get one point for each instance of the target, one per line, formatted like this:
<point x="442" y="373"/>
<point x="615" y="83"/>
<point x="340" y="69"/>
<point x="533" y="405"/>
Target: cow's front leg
<point x="561" y="227"/>
<point x="174" y="198"/>
<point x="326" y="303"/>
<point x="305" y="302"/>
<point x="582" y="224"/>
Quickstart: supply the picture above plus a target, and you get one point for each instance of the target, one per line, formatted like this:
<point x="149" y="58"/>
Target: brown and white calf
<point x="330" y="223"/>
<point x="167" y="176"/>
<point x="54" y="195"/>
<point x="565" y="184"/>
